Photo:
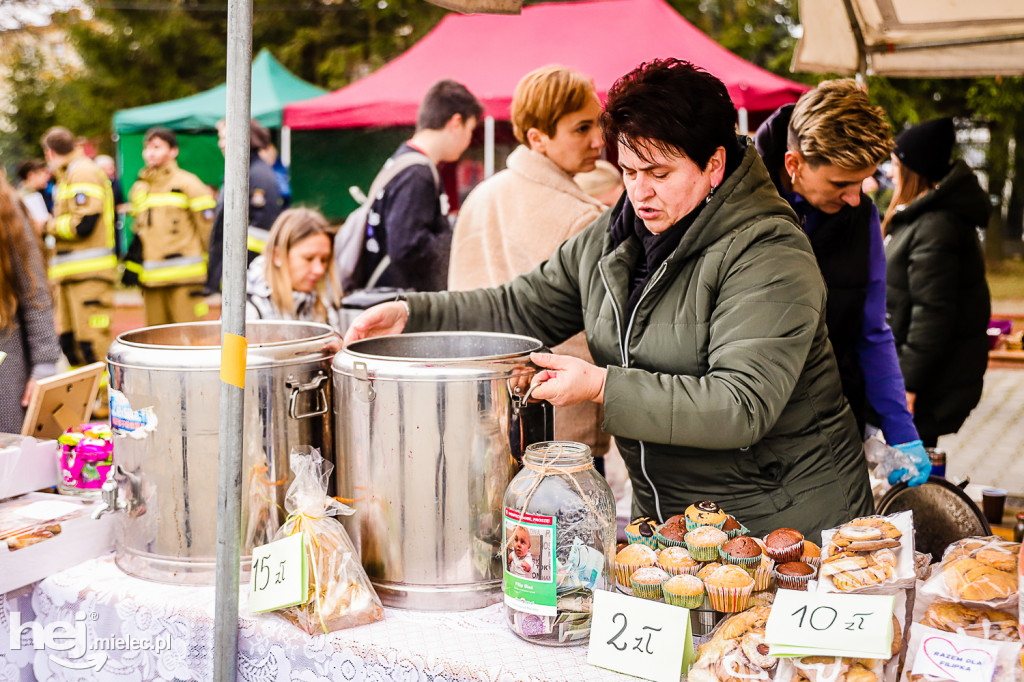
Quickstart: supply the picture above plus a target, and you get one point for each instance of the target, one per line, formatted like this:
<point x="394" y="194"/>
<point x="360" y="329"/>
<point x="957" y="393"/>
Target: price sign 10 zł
<point x="826" y="624"/>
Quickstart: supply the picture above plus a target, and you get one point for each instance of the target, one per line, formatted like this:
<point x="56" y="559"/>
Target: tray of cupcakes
<point x="705" y="560"/>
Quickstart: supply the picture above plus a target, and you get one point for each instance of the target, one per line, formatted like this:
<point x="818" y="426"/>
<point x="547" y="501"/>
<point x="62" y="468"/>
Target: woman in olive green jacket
<point x="703" y="309"/>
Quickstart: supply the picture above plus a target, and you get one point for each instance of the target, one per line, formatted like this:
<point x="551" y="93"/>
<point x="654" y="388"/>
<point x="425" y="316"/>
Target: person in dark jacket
<point x="818" y="153"/>
<point x="265" y="204"/>
<point x="704" y="312"/>
<point x="408" y="236"/>
<point x="937" y="298"/>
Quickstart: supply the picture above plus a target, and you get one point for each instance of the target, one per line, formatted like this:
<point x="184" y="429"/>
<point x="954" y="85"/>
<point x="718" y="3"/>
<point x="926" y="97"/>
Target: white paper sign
<point x="956" y="657"/>
<point x="830" y="624"/>
<point x="640" y="637"/>
<point x="279" y="577"/>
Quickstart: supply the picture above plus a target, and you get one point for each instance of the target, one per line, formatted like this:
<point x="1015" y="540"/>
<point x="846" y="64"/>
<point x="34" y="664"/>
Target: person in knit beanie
<point x="926" y="148"/>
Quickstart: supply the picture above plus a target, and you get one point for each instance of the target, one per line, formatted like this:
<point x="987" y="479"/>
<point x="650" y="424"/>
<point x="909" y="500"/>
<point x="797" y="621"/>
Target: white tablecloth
<point x="472" y="646"/>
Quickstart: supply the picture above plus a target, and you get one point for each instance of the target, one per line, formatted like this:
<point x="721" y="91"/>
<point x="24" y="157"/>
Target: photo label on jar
<point x="528" y="568"/>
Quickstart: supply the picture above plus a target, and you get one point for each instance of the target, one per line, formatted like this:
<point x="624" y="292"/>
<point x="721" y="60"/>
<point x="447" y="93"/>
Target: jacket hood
<point x="747" y="193"/>
<point x="772" y="141"/>
<point x="958" y="193"/>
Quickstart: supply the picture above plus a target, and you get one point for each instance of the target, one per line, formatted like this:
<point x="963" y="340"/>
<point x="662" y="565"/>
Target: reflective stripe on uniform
<point x="99" y="321"/>
<point x="171" y="269"/>
<point x="256" y="239"/>
<point x="157" y="200"/>
<point x="89" y="189"/>
<point x="202" y="203"/>
<point x="62" y="228"/>
<point x="81" y="262"/>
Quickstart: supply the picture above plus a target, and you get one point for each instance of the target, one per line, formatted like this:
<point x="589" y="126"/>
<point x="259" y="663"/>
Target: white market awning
<point x="912" y="38"/>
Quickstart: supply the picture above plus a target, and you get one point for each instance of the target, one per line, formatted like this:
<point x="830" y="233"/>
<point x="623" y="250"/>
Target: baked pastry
<point x="707" y="569"/>
<point x="677" y="561"/>
<point x="705" y="513"/>
<point x="737" y="652"/>
<point x="742" y="551"/>
<point x="851" y="571"/>
<point x="784" y="544"/>
<point x="729" y="588"/>
<point x="671" y="534"/>
<point x="646" y="582"/>
<point x="970" y="580"/>
<point x="998" y="558"/>
<point x="864" y="535"/>
<point x="641" y="531"/>
<point x="704" y="541"/>
<point x="684" y="590"/>
<point x="630" y="559"/>
<point x="794" y="575"/>
<point x="832" y="669"/>
<point x="974" y="622"/>
<point x="812" y="554"/>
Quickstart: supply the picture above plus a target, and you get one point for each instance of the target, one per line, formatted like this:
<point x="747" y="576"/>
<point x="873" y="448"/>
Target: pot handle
<point x="518" y="401"/>
<point x="297" y="387"/>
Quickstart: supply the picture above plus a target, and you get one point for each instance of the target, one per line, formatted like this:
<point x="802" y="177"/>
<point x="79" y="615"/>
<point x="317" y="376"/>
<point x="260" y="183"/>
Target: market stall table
<point x="470" y="645"/>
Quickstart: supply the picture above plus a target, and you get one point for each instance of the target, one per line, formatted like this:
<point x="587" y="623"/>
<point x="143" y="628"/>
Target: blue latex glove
<point x="919" y="456"/>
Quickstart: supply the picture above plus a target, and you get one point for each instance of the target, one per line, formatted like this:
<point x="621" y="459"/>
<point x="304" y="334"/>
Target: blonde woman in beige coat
<point x="515" y="220"/>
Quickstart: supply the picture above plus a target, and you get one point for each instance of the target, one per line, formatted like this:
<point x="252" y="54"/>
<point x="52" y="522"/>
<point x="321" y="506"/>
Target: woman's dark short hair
<point x="672" y="106"/>
<point x="443" y="100"/>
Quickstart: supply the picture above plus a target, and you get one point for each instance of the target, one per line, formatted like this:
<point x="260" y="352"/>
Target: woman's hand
<point x="29" y="388"/>
<point x="911" y="399"/>
<point x="380" y="320"/>
<point x="567" y="380"/>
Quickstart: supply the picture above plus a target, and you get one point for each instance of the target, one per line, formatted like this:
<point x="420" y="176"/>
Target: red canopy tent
<point x="490" y="53"/>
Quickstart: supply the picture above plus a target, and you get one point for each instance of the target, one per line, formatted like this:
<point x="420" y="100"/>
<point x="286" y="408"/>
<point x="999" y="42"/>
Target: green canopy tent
<point x="194" y="119"/>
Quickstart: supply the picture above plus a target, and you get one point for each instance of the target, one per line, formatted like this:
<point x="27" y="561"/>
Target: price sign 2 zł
<point x="640" y="637"/>
<point x="279" y="578"/>
<point x="826" y="624"/>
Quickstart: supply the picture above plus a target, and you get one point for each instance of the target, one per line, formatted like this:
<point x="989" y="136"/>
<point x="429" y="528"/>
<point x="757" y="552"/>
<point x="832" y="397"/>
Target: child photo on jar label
<point x="528" y="562"/>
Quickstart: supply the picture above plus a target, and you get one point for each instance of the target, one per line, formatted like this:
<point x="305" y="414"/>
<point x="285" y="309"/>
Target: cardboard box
<point x="42" y="533"/>
<point x="26" y="464"/>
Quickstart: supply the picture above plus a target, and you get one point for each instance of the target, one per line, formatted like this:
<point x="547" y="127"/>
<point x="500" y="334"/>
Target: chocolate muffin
<point x="743" y="547"/>
<point x="794" y="575"/>
<point x="784" y="544"/>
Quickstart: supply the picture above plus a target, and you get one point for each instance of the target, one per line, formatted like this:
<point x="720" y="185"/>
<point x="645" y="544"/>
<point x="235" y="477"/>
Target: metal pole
<point x="743" y="120"/>
<point x="488" y="146"/>
<point x="236" y="221"/>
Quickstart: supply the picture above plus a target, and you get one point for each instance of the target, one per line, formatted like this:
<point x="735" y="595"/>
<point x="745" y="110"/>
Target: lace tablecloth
<point x="166" y="633"/>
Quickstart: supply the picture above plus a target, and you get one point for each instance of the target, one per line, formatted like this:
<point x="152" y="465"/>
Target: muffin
<point x="784" y="544"/>
<point x="641" y="531"/>
<point x="812" y="554"/>
<point x="647" y="582"/>
<point x="704" y="542"/>
<point x="794" y="575"/>
<point x="763" y="574"/>
<point x="671" y="535"/>
<point x="678" y="518"/>
<point x="733" y="528"/>
<point x="742" y="551"/>
<point x="684" y="590"/>
<point x="705" y="513"/>
<point x="630" y="559"/>
<point x="707" y="569"/>
<point x="677" y="561"/>
<point x="729" y="588"/>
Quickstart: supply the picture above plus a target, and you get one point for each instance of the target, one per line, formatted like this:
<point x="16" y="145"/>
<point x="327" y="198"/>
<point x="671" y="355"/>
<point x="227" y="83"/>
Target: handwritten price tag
<point x="279" y="578"/>
<point x="640" y="637"/>
<point x="826" y="624"/>
<point x="955" y="657"/>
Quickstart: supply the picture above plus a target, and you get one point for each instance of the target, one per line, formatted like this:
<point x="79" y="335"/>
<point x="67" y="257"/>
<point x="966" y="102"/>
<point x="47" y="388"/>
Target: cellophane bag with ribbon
<point x="340" y="595"/>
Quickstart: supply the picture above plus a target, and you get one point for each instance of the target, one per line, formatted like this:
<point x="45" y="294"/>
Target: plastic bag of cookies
<point x="972" y="621"/>
<point x="979" y="572"/>
<point x="938" y="656"/>
<point x="869" y="554"/>
<point x="831" y="669"/>
<point x="736" y="650"/>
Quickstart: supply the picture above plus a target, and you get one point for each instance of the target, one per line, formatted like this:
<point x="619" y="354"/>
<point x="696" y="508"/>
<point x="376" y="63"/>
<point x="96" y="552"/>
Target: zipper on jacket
<point x="623" y="344"/>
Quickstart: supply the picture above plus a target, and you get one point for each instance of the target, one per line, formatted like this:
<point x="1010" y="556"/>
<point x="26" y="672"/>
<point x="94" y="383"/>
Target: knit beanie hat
<point x="926" y="148"/>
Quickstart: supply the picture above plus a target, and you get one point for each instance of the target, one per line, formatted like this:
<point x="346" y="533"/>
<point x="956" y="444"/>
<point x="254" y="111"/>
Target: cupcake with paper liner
<point x="641" y="531"/>
<point x="763" y="574"/>
<point x="794" y="575"/>
<point x="646" y="582"/>
<point x="704" y="542"/>
<point x="630" y="559"/>
<point x="742" y="551"/>
<point x="677" y="561"/>
<point x="729" y="588"/>
<point x="671" y="535"/>
<point x="811" y="555"/>
<point x="707" y="569"/>
<point x="784" y="544"/>
<point x="734" y="528"/>
<point x="684" y="590"/>
<point x="706" y="513"/>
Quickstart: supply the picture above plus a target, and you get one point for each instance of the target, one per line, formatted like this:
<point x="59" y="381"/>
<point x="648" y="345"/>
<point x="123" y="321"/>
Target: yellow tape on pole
<point x="232" y="360"/>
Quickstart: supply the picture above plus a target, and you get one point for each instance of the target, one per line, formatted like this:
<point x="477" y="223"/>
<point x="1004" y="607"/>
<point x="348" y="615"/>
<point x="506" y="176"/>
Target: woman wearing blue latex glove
<point x="919" y="458"/>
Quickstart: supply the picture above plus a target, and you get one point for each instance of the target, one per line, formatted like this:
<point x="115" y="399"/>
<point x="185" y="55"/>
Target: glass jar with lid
<point x="558" y="535"/>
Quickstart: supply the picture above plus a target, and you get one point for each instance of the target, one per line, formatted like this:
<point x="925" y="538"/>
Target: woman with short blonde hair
<point x="294" y="279"/>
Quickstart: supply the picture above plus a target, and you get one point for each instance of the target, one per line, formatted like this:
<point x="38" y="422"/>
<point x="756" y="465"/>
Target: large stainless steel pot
<point x="165" y="396"/>
<point x="431" y="428"/>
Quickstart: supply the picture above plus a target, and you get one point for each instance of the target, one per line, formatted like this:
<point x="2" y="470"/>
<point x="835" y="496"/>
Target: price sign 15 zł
<point x="826" y="624"/>
<point x="279" y="578"/>
<point x="640" y="637"/>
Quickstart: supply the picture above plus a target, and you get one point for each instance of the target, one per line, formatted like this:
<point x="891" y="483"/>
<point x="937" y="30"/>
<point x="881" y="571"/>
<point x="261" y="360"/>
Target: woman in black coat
<point x="937" y="299"/>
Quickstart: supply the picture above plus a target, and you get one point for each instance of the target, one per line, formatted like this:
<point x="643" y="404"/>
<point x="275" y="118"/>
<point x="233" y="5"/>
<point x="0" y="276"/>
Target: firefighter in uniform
<point x="84" y="265"/>
<point x="173" y="212"/>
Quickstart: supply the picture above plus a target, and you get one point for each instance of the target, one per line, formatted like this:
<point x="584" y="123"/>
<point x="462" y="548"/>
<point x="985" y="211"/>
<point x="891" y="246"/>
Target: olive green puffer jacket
<point x="726" y="387"/>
